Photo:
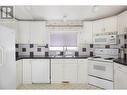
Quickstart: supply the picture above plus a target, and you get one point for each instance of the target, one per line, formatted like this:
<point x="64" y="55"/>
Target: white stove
<point x="100" y="68"/>
<point x="105" y="55"/>
<point x="102" y="59"/>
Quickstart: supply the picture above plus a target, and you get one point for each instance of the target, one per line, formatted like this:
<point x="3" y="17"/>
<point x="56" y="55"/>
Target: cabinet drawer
<point x="82" y="60"/>
<point x="120" y="67"/>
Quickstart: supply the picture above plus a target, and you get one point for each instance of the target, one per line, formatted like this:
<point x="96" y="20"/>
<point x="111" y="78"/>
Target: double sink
<point x="69" y="56"/>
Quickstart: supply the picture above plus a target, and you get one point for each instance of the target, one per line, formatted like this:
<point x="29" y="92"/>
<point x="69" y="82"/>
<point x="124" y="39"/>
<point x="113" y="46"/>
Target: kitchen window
<point x="62" y="41"/>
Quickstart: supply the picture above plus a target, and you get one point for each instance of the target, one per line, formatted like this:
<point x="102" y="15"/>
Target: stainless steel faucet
<point x="65" y="50"/>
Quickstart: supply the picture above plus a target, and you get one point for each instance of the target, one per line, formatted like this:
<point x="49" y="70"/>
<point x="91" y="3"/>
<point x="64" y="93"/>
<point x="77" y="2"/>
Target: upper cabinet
<point x="110" y="24"/>
<point x="97" y="26"/>
<point x="105" y="25"/>
<point x="85" y="36"/>
<point x="32" y="32"/>
<point x="122" y="23"/>
<point x="88" y="32"/>
<point x="23" y="32"/>
<point x="38" y="33"/>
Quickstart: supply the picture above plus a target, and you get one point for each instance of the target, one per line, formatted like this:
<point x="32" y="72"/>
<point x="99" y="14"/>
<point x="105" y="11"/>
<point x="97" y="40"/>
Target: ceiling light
<point x="95" y="8"/>
<point x="65" y="18"/>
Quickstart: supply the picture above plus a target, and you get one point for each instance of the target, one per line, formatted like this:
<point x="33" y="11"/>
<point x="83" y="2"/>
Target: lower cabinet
<point x="120" y="76"/>
<point x="62" y="70"/>
<point x="40" y="71"/>
<point x="82" y="71"/>
<point x="36" y="71"/>
<point x="69" y="70"/>
<point x="19" y="73"/>
<point x="27" y="76"/>
<point x="56" y="70"/>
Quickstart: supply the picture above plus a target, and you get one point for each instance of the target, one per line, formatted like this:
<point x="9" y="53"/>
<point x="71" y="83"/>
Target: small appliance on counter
<point x="122" y="53"/>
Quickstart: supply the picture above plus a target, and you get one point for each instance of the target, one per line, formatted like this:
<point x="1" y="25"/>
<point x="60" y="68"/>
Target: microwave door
<point x="100" y="40"/>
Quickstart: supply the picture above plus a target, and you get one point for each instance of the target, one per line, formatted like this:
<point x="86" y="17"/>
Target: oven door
<point x="101" y="69"/>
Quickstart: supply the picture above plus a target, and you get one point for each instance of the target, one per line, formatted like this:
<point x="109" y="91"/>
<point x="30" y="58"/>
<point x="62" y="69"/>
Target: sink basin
<point x="62" y="56"/>
<point x="69" y="56"/>
<point x="58" y="56"/>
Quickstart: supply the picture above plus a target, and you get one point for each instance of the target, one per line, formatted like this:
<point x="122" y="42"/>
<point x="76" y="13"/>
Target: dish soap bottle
<point x="122" y="52"/>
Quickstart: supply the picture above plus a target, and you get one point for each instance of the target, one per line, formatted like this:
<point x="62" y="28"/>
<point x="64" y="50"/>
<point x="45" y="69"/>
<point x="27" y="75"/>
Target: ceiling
<point x="66" y="12"/>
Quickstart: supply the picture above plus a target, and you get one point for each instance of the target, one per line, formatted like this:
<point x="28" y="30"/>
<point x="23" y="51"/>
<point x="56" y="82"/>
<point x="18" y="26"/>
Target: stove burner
<point x="108" y="58"/>
<point x="96" y="57"/>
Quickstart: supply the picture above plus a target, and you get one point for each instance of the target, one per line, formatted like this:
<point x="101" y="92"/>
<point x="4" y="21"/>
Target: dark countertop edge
<point x="121" y="61"/>
<point x="50" y="58"/>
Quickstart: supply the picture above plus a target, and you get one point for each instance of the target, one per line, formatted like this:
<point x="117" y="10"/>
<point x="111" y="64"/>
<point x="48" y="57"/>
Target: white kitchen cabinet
<point x="82" y="71"/>
<point x="120" y="76"/>
<point x="17" y="36"/>
<point x="97" y="26"/>
<point x="27" y="76"/>
<point x="86" y="36"/>
<point x="110" y="24"/>
<point x="81" y="38"/>
<point x="63" y="70"/>
<point x="88" y="28"/>
<point x="40" y="70"/>
<point x="23" y="32"/>
<point x="122" y="23"/>
<point x="56" y="70"/>
<point x="19" y="73"/>
<point x="38" y="33"/>
<point x="32" y="32"/>
<point x="105" y="25"/>
<point x="70" y="70"/>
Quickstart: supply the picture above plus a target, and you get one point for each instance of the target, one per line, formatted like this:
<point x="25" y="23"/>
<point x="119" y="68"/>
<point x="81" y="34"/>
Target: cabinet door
<point x="24" y="32"/>
<point x="56" y="71"/>
<point x="82" y="71"/>
<point x="38" y="33"/>
<point x="122" y="23"/>
<point x="17" y="35"/>
<point x="17" y="74"/>
<point x="98" y="26"/>
<point x="81" y="37"/>
<point x="86" y="36"/>
<point x="19" y="70"/>
<point x="70" y="71"/>
<point x="27" y="71"/>
<point x="40" y="71"/>
<point x="110" y="24"/>
<point x="88" y="32"/>
<point x="120" y="77"/>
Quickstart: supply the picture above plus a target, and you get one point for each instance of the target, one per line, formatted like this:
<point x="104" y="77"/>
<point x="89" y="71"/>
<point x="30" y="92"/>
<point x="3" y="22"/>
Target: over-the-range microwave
<point x="105" y="39"/>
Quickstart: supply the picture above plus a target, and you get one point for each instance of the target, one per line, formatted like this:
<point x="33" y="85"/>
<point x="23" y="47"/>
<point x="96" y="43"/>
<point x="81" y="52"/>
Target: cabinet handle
<point x="125" y="29"/>
<point x="119" y="67"/>
<point x="104" y="29"/>
<point x="81" y="61"/>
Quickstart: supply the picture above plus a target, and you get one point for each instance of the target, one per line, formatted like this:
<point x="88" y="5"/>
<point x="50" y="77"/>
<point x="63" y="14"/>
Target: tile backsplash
<point x="34" y="49"/>
<point x="31" y="49"/>
<point x="83" y="49"/>
<point x="86" y="49"/>
<point x="123" y="45"/>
